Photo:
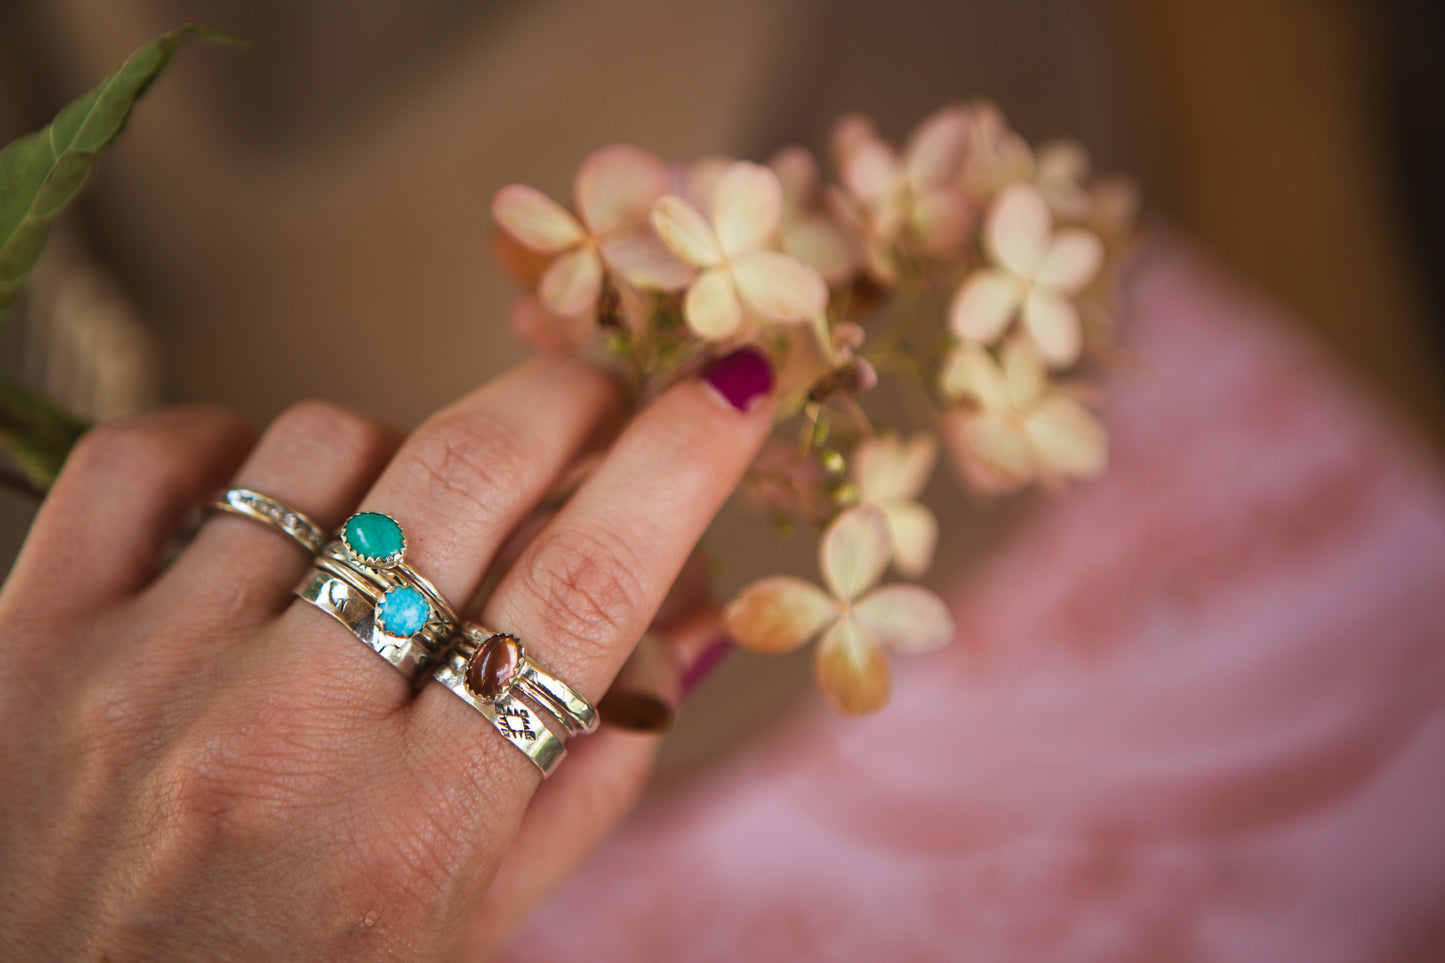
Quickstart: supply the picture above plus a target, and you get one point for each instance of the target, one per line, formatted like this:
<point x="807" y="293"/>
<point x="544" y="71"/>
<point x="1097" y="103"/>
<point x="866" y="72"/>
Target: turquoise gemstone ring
<point x="376" y="544"/>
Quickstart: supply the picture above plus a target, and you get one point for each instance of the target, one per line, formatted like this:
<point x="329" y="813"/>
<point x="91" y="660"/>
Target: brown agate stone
<point x="493" y="666"/>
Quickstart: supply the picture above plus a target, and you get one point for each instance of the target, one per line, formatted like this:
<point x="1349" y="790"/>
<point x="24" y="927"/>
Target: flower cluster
<point x="971" y="266"/>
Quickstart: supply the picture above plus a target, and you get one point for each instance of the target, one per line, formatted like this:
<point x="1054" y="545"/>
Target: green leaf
<point x="36" y="432"/>
<point x="42" y="172"/>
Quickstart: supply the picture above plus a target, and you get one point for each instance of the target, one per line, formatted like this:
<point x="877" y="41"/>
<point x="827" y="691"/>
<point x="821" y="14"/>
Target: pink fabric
<point x="1192" y="714"/>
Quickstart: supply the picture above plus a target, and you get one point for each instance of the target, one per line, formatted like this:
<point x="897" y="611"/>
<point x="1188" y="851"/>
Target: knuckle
<point x="461" y="460"/>
<point x="586" y="588"/>
<point x="343" y="432"/>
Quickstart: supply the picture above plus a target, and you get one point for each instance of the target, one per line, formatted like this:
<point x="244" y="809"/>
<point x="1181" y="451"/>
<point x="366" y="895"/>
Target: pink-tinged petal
<point x="872" y="172"/>
<point x="970" y="372"/>
<point x="985" y="304"/>
<point x="535" y="219"/>
<point x="699" y="180"/>
<point x="1019" y="229"/>
<point x="1025" y="372"/>
<point x="780" y="287"/>
<point x="711" y="307"/>
<point x="977" y="476"/>
<point x="747" y="208"/>
<point x="573" y="282"/>
<point x="685" y="231"/>
<point x="778" y="614"/>
<point x="887" y="467"/>
<point x="798" y="174"/>
<point x="937" y="146"/>
<point x="915" y="534"/>
<point x="525" y="265"/>
<point x="820" y="243"/>
<point x="999" y="441"/>
<point x="943" y="222"/>
<point x="530" y="320"/>
<point x="852" y="669"/>
<point x="642" y="260"/>
<point x="1052" y="323"/>
<point x="907" y="618"/>
<point x="1072" y="262"/>
<point x="616" y="186"/>
<point x="855" y="550"/>
<point x="849" y="133"/>
<point x="1070" y="440"/>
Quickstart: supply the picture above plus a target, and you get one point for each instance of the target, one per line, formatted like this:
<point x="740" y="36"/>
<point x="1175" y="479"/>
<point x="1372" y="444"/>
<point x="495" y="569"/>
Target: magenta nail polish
<point x="741" y="376"/>
<point x="709" y="660"/>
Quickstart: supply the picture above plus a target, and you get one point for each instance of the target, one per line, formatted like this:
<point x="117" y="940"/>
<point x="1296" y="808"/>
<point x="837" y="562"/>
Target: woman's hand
<point x="198" y="765"/>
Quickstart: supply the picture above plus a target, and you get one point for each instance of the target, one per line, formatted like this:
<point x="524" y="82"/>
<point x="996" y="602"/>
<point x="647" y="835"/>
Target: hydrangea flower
<point x="741" y="276"/>
<point x="1013" y="428"/>
<point x="858" y="622"/>
<point x="1036" y="271"/>
<point x="915" y="195"/>
<point x="808" y="232"/>
<point x="891" y="473"/>
<point x="998" y="157"/>
<point x="614" y="190"/>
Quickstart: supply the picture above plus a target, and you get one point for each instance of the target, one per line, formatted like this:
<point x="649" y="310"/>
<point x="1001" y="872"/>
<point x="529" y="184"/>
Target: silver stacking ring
<point x="361" y="579"/>
<point x="271" y="513"/>
<point x="531" y="708"/>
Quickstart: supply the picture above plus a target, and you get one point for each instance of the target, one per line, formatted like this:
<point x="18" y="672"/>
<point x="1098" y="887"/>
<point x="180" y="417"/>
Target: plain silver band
<point x="517" y="722"/>
<point x="346" y="600"/>
<point x="275" y="515"/>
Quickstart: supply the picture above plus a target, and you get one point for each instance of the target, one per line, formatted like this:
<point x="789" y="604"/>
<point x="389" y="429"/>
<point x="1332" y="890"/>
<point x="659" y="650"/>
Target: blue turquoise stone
<point x="374" y="537"/>
<point x="403" y="611"/>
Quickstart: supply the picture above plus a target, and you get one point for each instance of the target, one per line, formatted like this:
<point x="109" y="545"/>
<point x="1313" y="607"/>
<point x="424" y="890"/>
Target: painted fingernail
<point x="706" y="663"/>
<point x="741" y="377"/>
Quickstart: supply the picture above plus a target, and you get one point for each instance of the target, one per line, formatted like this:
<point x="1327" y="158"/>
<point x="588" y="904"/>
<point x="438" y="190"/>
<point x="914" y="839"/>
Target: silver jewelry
<point x="354" y="601"/>
<point x="376" y="544"/>
<point x="493" y="674"/>
<point x="271" y="513"/>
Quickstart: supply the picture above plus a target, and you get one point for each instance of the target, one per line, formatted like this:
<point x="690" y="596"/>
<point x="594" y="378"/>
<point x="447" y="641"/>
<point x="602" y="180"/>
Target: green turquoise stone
<point x="374" y="537"/>
<point x="403" y="611"/>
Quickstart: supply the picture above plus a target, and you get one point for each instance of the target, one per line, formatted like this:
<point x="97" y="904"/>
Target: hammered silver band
<point x="529" y="692"/>
<point x="273" y="514"/>
<point x="352" y="602"/>
<point x="399" y="574"/>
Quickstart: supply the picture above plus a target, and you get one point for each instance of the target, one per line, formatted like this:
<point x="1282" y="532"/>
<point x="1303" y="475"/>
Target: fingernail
<point x="706" y="663"/>
<point x="741" y="377"/>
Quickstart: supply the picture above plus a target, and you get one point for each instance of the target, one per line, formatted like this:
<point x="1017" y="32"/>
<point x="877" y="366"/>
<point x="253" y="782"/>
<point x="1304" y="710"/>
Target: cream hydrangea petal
<point x="855" y="550"/>
<point x="985" y="304"/>
<point x="616" y="186"/>
<point x="970" y="372"/>
<point x="977" y="476"/>
<point x="798" y="175"/>
<point x="852" y="668"/>
<point x="942" y="220"/>
<point x="936" y="148"/>
<point x="1070" y="441"/>
<point x="711" y="307"/>
<point x="535" y="219"/>
<point x="915" y="535"/>
<point x="887" y="467"/>
<point x="1025" y="373"/>
<point x="780" y="287"/>
<point x="1073" y="260"/>
<point x="685" y="231"/>
<point x="746" y="208"/>
<point x="573" y="282"/>
<point x="820" y="243"/>
<point x="999" y="441"/>
<point x="871" y="171"/>
<point x="641" y="259"/>
<point x="530" y="320"/>
<point x="1019" y="229"/>
<point x="778" y="614"/>
<point x="906" y="618"/>
<point x="1052" y="323"/>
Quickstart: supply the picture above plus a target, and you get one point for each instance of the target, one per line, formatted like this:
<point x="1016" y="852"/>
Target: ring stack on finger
<point x="361" y="579"/>
<point x="532" y="709"/>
